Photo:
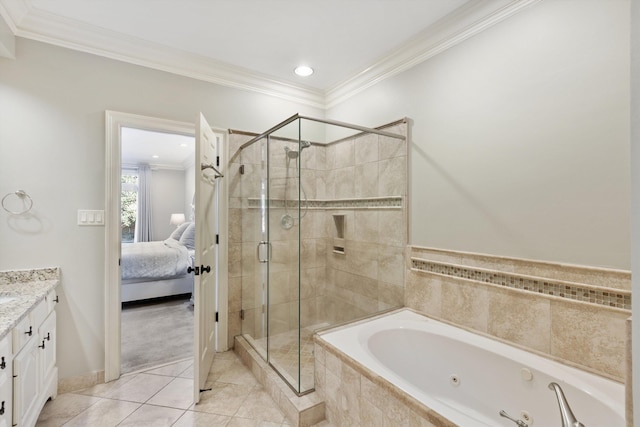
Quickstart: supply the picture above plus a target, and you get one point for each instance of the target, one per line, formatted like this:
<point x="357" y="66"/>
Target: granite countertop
<point x="28" y="287"/>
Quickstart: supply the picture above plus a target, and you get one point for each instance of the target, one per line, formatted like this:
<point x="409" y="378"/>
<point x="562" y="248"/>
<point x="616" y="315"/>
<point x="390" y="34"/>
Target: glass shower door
<point x="255" y="246"/>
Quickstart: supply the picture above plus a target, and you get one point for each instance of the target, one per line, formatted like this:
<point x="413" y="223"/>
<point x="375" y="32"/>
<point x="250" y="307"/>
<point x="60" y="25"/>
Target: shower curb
<point x="301" y="411"/>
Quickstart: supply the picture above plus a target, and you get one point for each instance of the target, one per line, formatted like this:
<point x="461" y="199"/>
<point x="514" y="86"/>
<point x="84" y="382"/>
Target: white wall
<point x="520" y="140"/>
<point x="190" y="190"/>
<point x="52" y="145"/>
<point x="167" y="197"/>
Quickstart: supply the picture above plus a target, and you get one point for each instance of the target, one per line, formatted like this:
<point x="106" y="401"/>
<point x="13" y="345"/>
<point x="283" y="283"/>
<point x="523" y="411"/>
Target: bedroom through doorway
<point x="157" y="234"/>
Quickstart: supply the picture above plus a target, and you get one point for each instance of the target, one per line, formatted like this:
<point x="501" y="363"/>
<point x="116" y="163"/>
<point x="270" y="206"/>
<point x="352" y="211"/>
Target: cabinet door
<point x="26" y="383"/>
<point x="6" y="382"/>
<point x="47" y="333"/>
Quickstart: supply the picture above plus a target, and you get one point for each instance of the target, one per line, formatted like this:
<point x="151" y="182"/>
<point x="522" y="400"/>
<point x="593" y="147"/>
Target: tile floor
<point x="162" y="397"/>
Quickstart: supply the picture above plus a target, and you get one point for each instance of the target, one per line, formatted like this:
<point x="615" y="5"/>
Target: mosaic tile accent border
<point x="392" y="202"/>
<point x="608" y="297"/>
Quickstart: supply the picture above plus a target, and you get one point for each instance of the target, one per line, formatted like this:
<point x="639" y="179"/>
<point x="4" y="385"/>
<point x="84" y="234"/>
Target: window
<point x="128" y="204"/>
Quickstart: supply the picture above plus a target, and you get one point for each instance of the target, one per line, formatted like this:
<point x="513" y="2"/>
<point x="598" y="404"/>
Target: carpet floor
<point x="155" y="333"/>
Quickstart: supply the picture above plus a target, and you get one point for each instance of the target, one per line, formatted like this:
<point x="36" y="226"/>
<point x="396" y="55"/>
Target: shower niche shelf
<point x="338" y="240"/>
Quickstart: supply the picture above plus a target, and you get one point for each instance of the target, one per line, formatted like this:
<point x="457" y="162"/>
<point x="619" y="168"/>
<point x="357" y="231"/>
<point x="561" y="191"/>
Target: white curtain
<point x="143" y="222"/>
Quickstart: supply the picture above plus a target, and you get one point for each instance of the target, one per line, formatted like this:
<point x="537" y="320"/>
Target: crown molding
<point x="53" y="29"/>
<point x="465" y="22"/>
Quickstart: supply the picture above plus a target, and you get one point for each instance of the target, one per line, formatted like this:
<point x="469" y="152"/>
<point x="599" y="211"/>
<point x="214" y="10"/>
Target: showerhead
<point x="291" y="154"/>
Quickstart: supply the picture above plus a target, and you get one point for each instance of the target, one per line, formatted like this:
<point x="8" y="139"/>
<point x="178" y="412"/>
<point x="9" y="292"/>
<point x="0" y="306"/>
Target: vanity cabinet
<point x="35" y="375"/>
<point x="6" y="381"/>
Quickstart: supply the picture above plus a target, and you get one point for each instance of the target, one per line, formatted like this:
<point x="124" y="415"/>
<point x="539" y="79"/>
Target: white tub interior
<point x="469" y="378"/>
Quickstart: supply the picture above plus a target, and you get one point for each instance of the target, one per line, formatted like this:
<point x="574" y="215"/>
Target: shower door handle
<point x="259" y="252"/>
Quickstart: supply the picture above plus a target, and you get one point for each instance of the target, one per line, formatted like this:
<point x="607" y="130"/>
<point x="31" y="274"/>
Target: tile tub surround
<point x="354" y="395"/>
<point x="475" y="292"/>
<point x="29" y="287"/>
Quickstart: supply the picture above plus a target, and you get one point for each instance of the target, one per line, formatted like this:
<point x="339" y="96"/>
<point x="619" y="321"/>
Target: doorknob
<point x="194" y="270"/>
<point x="203" y="269"/>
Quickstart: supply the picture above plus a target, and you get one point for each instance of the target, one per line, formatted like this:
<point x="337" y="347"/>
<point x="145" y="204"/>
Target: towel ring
<point x="21" y="194"/>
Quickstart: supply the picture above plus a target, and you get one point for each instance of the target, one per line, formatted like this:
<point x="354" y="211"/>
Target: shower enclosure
<point x="323" y="230"/>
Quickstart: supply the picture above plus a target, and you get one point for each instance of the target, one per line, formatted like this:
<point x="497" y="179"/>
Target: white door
<point x="206" y="256"/>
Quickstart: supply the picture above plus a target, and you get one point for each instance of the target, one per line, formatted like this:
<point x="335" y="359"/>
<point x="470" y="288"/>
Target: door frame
<point x="114" y="122"/>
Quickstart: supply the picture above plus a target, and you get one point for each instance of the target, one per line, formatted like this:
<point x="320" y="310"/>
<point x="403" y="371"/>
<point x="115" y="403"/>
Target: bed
<point x="158" y="269"/>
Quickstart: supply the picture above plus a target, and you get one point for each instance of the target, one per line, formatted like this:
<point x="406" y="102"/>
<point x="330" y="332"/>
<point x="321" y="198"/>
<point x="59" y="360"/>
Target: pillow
<point x="178" y="231"/>
<point x="188" y="238"/>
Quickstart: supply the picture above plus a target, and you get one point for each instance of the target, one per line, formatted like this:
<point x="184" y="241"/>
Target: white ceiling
<point x="173" y="151"/>
<point x="256" y="44"/>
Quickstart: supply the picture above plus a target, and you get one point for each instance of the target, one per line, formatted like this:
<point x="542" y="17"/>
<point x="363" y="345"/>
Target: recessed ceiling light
<point x="303" y="71"/>
<point x="183" y="145"/>
<point x="155" y="156"/>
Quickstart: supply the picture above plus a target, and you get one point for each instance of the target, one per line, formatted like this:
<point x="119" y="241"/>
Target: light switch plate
<point x="90" y="217"/>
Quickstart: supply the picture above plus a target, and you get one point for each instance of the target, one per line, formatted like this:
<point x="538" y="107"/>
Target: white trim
<point x="114" y="122"/>
<point x="465" y="22"/>
<point x="60" y="31"/>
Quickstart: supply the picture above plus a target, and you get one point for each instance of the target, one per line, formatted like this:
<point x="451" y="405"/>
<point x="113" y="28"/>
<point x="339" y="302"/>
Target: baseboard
<point x="79" y="382"/>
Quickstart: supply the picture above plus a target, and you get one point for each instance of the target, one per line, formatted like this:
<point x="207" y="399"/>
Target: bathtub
<point x="469" y="379"/>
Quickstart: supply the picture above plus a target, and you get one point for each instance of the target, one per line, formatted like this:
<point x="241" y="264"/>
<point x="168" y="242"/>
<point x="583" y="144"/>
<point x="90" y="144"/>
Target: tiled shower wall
<point x="366" y="173"/>
<point x="363" y="178"/>
<point x="574" y="314"/>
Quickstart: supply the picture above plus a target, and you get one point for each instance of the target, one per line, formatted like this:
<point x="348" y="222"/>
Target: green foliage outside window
<point x="128" y="207"/>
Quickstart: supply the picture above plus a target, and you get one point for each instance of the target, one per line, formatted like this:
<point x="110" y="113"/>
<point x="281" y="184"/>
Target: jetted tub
<point x="469" y="379"/>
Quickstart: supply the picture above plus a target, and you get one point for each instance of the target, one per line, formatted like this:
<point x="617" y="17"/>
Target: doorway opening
<point x="158" y="246"/>
<point x="175" y="219"/>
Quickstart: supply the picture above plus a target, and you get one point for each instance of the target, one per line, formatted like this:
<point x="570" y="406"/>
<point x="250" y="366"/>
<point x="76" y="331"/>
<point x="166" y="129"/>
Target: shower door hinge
<point x="216" y="316"/>
<point x="242" y="314"/>
<point x="217" y="239"/>
<point x="241" y="169"/>
<point x="217" y="160"/>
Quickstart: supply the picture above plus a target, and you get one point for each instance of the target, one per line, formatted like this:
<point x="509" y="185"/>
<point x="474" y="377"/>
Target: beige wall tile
<point x="366" y="226"/>
<point x="366" y="149"/>
<point x="392" y="176"/>
<point x="344" y="154"/>
<point x="391" y="295"/>
<point x="423" y="293"/>
<point x="521" y="318"/>
<point x="366" y="180"/>
<point x="393" y="228"/>
<point x="465" y="303"/>
<point x="589" y="336"/>
<point x="391" y="264"/>
<point x="391" y="147"/>
<point x="235" y="293"/>
<point x="345" y="183"/>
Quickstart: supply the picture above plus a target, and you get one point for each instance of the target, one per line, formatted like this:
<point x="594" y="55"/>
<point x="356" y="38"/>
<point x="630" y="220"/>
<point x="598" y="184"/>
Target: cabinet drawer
<point x="21" y="334"/>
<point x="28" y="326"/>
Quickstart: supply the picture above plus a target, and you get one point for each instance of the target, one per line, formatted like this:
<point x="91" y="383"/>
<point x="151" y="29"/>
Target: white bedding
<point x="154" y="260"/>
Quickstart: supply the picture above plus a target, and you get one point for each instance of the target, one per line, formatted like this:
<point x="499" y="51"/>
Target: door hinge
<point x="216" y="316"/>
<point x="217" y="160"/>
<point x="119" y="261"/>
<point x="217" y="239"/>
<point x="242" y="314"/>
